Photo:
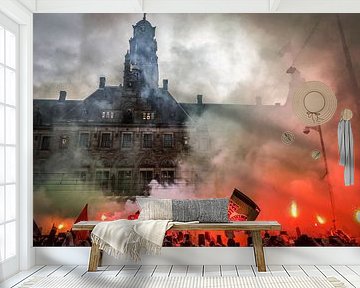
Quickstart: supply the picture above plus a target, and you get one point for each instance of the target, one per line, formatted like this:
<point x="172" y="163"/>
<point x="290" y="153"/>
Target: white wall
<point x="211" y="256"/>
<point x="20" y="11"/>
<point x="191" y="6"/>
<point x="23" y="16"/>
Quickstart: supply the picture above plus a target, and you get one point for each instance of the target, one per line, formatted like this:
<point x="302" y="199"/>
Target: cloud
<point x="225" y="57"/>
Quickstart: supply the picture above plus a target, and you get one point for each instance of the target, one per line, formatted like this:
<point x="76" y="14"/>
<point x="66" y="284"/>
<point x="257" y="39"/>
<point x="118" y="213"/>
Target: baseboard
<point x="209" y="256"/>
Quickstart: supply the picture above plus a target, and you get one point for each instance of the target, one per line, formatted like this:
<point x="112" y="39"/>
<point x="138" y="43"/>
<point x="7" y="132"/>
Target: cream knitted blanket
<point x="129" y="237"/>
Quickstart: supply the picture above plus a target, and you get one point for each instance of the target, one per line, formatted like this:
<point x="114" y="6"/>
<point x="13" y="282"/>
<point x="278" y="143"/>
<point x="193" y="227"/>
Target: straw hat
<point x="314" y="103"/>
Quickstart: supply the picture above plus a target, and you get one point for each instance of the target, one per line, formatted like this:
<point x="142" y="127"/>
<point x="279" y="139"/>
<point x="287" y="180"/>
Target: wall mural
<point x="193" y="108"/>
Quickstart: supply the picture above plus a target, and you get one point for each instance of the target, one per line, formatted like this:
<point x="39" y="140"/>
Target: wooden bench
<point x="255" y="227"/>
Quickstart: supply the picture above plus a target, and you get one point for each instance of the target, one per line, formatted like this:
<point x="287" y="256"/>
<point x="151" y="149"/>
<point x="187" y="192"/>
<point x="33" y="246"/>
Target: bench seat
<point x="255" y="227"/>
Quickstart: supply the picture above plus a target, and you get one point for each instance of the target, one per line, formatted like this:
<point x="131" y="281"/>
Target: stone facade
<point x="120" y="137"/>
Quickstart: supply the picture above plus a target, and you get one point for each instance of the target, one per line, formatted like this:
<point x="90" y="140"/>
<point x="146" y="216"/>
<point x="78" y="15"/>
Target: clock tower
<point x="141" y="62"/>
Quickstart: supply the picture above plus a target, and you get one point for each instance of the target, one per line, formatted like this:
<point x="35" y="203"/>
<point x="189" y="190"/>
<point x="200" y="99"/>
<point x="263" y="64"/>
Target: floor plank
<point x="20" y="277"/>
<point x="78" y="271"/>
<point x="328" y="271"/>
<point x="345" y="270"/>
<point x="146" y="271"/>
<point x="212" y="270"/>
<point x="129" y="271"/>
<point x="245" y="270"/>
<point x="195" y="271"/>
<point x="100" y="270"/>
<point x="355" y="268"/>
<point x="228" y="270"/>
<point x="352" y="277"/>
<point x="261" y="274"/>
<point x="278" y="270"/>
<point x="347" y="274"/>
<point x="311" y="271"/>
<point x="62" y="271"/>
<point x="46" y="271"/>
<point x="178" y="270"/>
<point x="294" y="271"/>
<point x="112" y="270"/>
<point x="162" y="271"/>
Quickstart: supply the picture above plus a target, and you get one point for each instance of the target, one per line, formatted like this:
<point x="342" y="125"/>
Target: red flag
<point x="83" y="216"/>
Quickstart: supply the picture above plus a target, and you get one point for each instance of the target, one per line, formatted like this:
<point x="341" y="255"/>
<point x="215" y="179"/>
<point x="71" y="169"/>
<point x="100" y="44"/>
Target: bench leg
<point x="259" y="251"/>
<point x="94" y="259"/>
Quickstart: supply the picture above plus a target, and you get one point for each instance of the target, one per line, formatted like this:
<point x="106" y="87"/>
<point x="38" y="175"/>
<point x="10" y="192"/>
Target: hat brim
<point x="314" y="103"/>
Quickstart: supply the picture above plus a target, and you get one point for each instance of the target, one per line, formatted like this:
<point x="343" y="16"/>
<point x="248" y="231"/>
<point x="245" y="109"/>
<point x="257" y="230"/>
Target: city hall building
<point x="120" y="138"/>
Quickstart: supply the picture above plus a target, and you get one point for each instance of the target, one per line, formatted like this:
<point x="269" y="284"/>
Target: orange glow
<point x="320" y="219"/>
<point x="357" y="215"/>
<point x="61" y="226"/>
<point x="294" y="210"/>
<point x="103" y="217"/>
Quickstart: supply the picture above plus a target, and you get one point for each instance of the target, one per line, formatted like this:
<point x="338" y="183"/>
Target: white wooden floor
<point x="350" y="275"/>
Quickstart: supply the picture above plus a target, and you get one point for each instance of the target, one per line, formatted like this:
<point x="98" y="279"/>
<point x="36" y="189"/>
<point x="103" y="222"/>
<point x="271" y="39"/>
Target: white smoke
<point x="178" y="190"/>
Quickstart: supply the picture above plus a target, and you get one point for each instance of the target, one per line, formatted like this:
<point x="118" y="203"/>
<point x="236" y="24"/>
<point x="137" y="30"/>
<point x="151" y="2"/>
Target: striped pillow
<point x="202" y="210"/>
<point x="154" y="209"/>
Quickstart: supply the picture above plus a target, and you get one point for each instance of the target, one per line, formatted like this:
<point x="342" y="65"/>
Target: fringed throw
<point x="130" y="237"/>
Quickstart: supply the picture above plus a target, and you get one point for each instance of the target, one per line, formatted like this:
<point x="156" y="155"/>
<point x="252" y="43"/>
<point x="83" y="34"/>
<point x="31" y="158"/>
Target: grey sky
<point x="229" y="58"/>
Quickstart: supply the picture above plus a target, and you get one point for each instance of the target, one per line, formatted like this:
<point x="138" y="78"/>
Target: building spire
<point x="144" y="18"/>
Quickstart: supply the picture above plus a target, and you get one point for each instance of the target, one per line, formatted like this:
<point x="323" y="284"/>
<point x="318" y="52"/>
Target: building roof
<point x="115" y="99"/>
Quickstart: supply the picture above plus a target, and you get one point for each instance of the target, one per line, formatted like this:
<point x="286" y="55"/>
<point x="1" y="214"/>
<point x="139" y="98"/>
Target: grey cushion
<point x="202" y="210"/>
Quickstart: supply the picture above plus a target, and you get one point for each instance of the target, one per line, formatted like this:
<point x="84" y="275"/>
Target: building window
<point x="84" y="140"/>
<point x="167" y="176"/>
<point x="106" y="141"/>
<point x="148" y="115"/>
<point x="126" y="141"/>
<point x="147" y="140"/>
<point x="102" y="178"/>
<point x="84" y="112"/>
<point x="8" y="142"/>
<point x="146" y="176"/>
<point x="64" y="142"/>
<point x="107" y="115"/>
<point x="124" y="181"/>
<point x="168" y="140"/>
<point x="45" y="143"/>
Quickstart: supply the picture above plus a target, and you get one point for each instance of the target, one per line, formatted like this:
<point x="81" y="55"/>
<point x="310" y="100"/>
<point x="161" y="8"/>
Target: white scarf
<point x="346" y="150"/>
<point x="128" y="237"/>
